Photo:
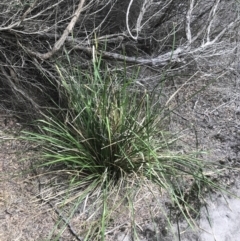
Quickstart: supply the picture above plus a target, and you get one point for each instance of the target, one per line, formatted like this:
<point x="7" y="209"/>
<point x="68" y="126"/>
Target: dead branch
<point x="168" y="35"/>
<point x="14" y="85"/>
<point x="66" y="32"/>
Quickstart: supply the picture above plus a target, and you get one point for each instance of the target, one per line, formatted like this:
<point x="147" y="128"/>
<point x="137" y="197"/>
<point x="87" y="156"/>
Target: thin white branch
<point x="188" y="21"/>
<point x="229" y="26"/>
<point x="212" y="17"/>
<point x="218" y="37"/>
<point x="16" y="24"/>
<point x="127" y="21"/>
<point x="159" y="11"/>
<point x="143" y="10"/>
<point x="29" y="10"/>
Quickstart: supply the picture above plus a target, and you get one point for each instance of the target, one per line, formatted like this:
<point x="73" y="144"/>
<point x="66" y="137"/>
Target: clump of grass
<point x="109" y="133"/>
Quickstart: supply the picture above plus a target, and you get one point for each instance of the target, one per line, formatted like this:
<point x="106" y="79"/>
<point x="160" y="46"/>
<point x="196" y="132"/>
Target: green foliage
<point x="109" y="132"/>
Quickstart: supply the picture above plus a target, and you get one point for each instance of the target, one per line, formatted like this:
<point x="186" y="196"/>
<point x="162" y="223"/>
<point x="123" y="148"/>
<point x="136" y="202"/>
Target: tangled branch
<point x="151" y="33"/>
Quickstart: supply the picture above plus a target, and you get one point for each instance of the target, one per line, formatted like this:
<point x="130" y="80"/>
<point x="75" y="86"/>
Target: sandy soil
<point x="23" y="215"/>
<point x="214" y="120"/>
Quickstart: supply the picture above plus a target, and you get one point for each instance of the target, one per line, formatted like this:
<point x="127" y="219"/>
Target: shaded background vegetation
<point x="170" y="37"/>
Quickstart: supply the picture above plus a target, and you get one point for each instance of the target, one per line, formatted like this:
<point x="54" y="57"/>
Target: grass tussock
<point x="108" y="135"/>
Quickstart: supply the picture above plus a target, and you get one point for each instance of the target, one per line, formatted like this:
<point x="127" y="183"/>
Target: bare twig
<point x="127" y="20"/>
<point x="13" y="82"/>
<point x="66" y="32"/>
<point x="188" y="21"/>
